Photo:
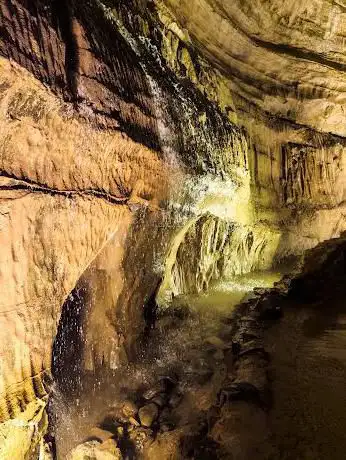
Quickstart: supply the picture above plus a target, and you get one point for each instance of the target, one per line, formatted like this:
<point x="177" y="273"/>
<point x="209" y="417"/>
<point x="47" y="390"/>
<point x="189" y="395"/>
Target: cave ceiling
<point x="285" y="57"/>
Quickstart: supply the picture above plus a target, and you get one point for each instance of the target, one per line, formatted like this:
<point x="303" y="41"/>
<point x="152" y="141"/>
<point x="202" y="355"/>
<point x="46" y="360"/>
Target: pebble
<point x="129" y="409"/>
<point x="133" y="421"/>
<point x="216" y="342"/>
<point x="148" y="414"/>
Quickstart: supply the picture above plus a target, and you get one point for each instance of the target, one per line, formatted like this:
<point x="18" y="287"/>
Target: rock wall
<point x="95" y="146"/>
<point x="284" y="65"/>
<point x="136" y="132"/>
<point x="213" y="248"/>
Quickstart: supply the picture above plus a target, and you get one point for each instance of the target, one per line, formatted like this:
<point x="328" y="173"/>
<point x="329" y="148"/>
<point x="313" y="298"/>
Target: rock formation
<point x="135" y="133"/>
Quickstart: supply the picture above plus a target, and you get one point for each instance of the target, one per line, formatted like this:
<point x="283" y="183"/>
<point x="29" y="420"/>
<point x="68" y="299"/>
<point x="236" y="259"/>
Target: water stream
<point x="179" y="346"/>
<point x="307" y="347"/>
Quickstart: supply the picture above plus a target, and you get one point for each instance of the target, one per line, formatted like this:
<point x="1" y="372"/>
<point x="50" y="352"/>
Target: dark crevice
<point x="300" y="53"/>
<point x="150" y="310"/>
<point x="34" y="187"/>
<point x="63" y="12"/>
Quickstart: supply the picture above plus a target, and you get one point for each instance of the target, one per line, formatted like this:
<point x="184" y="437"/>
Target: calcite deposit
<point x="148" y="140"/>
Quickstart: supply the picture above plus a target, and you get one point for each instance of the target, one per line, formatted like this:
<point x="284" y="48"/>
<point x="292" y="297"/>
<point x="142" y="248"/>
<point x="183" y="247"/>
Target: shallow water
<point x="177" y="345"/>
<point x="308" y="419"/>
<point x="224" y="295"/>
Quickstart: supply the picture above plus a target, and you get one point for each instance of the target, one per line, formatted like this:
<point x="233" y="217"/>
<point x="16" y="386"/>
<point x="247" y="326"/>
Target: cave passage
<point x="172" y="230"/>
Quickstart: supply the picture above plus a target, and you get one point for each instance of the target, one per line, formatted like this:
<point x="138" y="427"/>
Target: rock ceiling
<point x="286" y="57"/>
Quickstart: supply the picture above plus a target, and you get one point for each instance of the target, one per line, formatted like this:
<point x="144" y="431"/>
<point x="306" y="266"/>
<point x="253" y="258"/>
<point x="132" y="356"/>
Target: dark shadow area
<point x="62" y="13"/>
<point x="69" y="341"/>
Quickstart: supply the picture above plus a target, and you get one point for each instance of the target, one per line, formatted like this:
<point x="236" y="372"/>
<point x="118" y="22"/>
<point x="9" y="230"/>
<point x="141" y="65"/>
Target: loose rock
<point x="100" y="434"/>
<point x="159" y="400"/>
<point x="110" y="446"/>
<point x="217" y="342"/>
<point x="148" y="414"/>
<point x="133" y="421"/>
<point x="152" y="392"/>
<point x="129" y="409"/>
<point x="93" y="450"/>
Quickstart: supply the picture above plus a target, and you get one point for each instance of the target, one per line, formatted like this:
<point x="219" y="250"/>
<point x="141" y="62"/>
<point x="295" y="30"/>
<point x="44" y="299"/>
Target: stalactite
<point x="214" y="248"/>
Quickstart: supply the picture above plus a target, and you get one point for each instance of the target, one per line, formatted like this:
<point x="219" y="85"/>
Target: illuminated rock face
<point x="284" y="64"/>
<point x="138" y="134"/>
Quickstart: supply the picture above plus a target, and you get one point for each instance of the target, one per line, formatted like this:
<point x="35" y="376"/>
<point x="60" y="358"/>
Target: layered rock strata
<point x="135" y="133"/>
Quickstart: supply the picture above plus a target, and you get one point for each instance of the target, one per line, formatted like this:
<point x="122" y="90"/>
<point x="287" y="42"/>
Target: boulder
<point x="94" y="450"/>
<point x="148" y="414"/>
<point x="99" y="434"/>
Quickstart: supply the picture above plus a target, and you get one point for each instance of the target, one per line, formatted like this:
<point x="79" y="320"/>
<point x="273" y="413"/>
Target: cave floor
<point x="184" y="344"/>
<point x="307" y="372"/>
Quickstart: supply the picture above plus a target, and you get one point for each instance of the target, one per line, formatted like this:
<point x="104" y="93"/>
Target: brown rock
<point x="133" y="421"/>
<point x="93" y="450"/>
<point x="100" y="434"/>
<point x="129" y="409"/>
<point x="110" y="446"/>
<point x="148" y="414"/>
<point x="217" y="342"/>
<point x="159" y="400"/>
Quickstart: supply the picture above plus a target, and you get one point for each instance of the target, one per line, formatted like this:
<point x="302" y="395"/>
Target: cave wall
<point x="94" y="150"/>
<point x="284" y="64"/>
<point x="135" y="133"/>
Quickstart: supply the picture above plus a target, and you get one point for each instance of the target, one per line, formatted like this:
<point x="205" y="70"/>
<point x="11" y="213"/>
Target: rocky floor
<point x="167" y="404"/>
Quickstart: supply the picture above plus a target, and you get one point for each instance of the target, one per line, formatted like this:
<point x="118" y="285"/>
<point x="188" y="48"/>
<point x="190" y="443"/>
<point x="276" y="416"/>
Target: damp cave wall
<point x="110" y="111"/>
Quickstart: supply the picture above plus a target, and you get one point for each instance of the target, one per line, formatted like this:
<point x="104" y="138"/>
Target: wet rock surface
<point x="93" y="450"/>
<point x="180" y="413"/>
<point x="148" y="414"/>
<point x="242" y="404"/>
<point x="141" y="82"/>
